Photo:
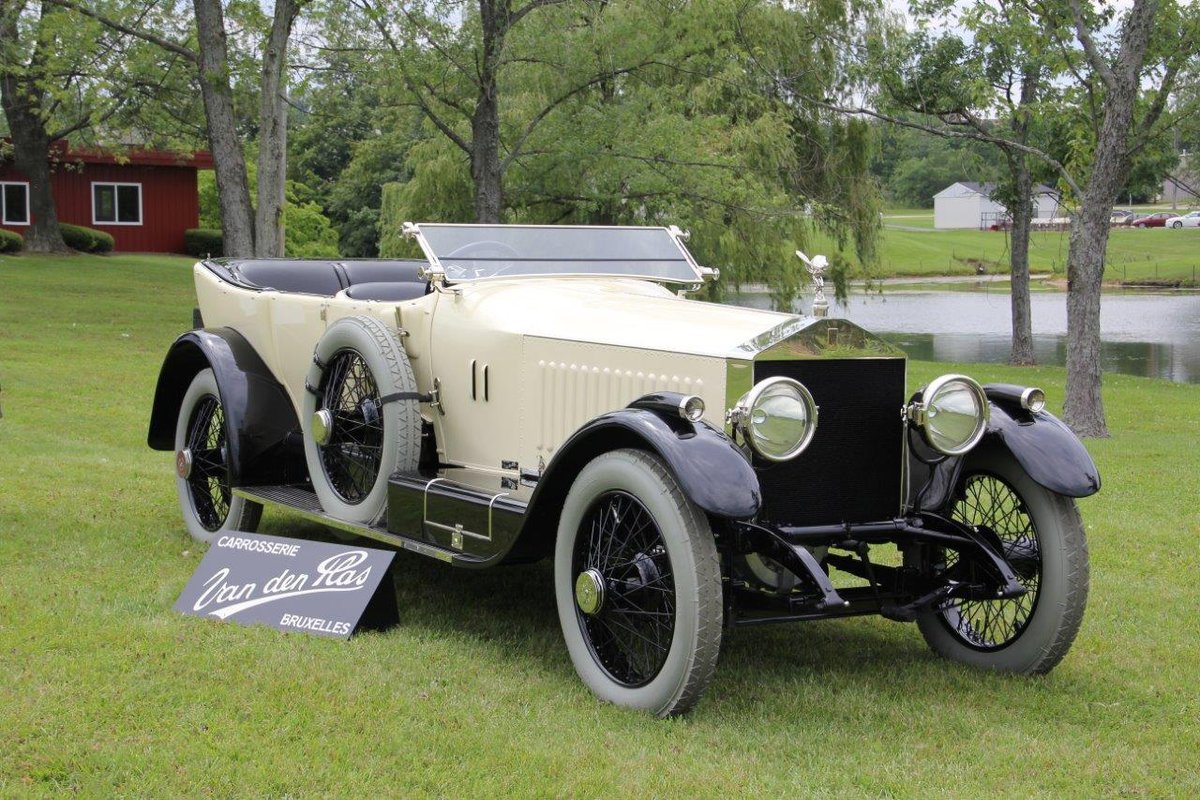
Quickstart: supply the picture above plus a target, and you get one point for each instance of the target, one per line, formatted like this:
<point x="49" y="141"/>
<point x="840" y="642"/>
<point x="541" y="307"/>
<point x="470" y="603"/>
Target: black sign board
<point x="292" y="584"/>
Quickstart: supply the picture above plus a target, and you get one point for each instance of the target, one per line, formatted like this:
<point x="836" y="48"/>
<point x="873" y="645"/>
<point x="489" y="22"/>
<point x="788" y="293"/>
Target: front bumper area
<point x="982" y="569"/>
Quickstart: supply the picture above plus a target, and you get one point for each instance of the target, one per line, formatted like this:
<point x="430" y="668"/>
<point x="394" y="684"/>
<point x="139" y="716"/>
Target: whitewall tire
<point x="354" y="437"/>
<point x="638" y="585"/>
<point x="201" y="466"/>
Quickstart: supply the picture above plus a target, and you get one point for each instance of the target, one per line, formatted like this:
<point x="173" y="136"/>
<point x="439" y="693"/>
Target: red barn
<point x="145" y="199"/>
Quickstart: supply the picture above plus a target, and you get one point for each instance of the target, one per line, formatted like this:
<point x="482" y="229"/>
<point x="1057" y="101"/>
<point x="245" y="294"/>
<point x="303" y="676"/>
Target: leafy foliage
<point x="203" y="242"/>
<point x="309" y="233"/>
<point x="86" y="240"/>
<point x="10" y="242"/>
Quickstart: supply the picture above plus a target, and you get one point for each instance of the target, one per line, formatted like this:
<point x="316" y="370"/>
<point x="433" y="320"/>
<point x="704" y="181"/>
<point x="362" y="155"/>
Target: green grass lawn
<point x="1153" y="254"/>
<point x="106" y="691"/>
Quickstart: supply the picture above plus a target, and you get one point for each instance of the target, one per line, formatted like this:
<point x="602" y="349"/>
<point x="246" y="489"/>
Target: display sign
<point x="292" y="584"/>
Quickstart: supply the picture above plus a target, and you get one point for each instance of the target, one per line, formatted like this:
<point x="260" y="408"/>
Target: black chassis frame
<point x="266" y="462"/>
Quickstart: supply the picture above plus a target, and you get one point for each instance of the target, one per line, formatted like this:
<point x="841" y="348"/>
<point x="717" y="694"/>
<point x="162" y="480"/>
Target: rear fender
<point x="264" y="441"/>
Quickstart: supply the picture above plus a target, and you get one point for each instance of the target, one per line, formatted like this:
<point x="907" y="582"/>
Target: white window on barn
<point x="14" y="203"/>
<point x="116" y="204"/>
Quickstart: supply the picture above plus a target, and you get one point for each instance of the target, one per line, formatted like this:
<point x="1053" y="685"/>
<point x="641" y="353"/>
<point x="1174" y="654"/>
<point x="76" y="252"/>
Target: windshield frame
<point x="437" y="271"/>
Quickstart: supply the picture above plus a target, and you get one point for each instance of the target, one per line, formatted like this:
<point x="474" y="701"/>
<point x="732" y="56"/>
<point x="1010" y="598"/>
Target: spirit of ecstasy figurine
<point x="816" y="267"/>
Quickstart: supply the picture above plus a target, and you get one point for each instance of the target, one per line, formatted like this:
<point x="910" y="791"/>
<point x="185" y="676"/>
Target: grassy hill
<point x="910" y="246"/>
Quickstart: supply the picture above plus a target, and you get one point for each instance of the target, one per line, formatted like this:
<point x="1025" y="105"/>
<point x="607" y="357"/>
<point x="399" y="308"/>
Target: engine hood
<point x="639" y="314"/>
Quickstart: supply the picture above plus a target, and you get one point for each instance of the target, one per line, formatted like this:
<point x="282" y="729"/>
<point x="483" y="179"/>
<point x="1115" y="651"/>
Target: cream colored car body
<point x="544" y="355"/>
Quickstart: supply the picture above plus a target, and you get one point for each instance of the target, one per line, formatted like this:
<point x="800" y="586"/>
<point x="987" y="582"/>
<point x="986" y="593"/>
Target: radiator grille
<point x="852" y="469"/>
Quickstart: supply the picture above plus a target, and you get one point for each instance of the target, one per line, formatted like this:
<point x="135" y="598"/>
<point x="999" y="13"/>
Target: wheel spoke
<point x="988" y="502"/>
<point x="630" y="636"/>
<point x="353" y="455"/>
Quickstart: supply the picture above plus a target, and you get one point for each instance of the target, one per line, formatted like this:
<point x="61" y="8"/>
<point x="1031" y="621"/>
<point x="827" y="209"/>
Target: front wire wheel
<point x="638" y="585"/>
<point x="201" y="462"/>
<point x="1041" y="534"/>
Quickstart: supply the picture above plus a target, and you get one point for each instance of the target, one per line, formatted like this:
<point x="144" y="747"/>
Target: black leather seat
<point x="398" y="270"/>
<point x="327" y="278"/>
<point x="392" y="291"/>
<point x="304" y="277"/>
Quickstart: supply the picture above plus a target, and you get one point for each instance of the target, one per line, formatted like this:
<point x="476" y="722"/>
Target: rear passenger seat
<point x="392" y="280"/>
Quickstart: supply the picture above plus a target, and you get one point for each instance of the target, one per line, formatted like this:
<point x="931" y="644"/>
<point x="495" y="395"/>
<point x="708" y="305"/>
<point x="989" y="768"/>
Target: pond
<point x="1153" y="335"/>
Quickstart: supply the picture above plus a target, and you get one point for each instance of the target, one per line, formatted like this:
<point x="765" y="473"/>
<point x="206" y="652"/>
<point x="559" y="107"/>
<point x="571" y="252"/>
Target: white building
<point x="967" y="204"/>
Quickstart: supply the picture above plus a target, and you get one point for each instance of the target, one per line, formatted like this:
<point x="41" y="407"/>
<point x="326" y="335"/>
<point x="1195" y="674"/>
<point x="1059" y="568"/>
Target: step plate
<point x="301" y="501"/>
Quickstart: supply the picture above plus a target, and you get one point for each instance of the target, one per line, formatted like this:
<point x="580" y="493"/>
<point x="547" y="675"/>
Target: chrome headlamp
<point x="952" y="413"/>
<point x="777" y="418"/>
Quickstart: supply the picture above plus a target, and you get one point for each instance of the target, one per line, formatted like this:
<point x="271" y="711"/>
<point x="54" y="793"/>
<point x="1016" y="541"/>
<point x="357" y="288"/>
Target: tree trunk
<point x="485" y="160"/>
<point x="1022" y="214"/>
<point x="229" y="161"/>
<point x="1084" y="406"/>
<point x="272" y="135"/>
<point x="485" y="121"/>
<point x="22" y="102"/>
<point x="1022" y="317"/>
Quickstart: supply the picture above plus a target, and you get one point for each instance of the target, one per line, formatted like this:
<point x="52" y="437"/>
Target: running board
<point x="301" y="501"/>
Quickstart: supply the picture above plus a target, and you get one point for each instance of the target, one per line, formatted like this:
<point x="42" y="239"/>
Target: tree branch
<point x="1084" y="35"/>
<point x="977" y="135"/>
<point x="116" y="25"/>
<point x="515" y="150"/>
<point x="532" y="5"/>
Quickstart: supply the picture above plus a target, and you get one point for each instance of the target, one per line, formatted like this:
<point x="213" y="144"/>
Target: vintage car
<point x="528" y="392"/>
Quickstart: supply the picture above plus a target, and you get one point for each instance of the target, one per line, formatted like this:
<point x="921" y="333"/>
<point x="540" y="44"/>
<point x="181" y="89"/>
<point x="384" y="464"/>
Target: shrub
<point x="86" y="240"/>
<point x="10" y="242"/>
<point x="201" y="242"/>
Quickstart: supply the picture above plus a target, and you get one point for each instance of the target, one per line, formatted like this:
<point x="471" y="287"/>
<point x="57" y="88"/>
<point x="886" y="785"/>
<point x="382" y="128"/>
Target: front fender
<point x="1046" y="449"/>
<point x="710" y="469"/>
<point x="259" y="416"/>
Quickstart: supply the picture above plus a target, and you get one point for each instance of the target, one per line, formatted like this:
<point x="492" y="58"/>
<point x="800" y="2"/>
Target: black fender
<point x="1042" y="444"/>
<point x="1046" y="449"/>
<point x="710" y="469"/>
<point x="264" y="442"/>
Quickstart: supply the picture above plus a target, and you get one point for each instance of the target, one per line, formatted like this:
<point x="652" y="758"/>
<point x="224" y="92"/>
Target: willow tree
<point x="632" y="113"/>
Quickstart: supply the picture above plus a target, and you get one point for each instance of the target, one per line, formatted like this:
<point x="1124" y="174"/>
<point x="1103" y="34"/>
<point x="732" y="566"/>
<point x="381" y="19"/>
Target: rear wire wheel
<point x="201" y="464"/>
<point x="1042" y="536"/>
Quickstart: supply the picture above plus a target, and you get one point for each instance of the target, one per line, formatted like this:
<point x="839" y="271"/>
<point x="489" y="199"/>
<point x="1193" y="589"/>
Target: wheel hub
<point x="183" y="463"/>
<point x="322" y="426"/>
<point x="589" y="591"/>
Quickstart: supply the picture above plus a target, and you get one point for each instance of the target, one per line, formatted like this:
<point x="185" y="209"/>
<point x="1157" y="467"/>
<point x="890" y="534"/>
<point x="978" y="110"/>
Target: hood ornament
<point x="816" y="268"/>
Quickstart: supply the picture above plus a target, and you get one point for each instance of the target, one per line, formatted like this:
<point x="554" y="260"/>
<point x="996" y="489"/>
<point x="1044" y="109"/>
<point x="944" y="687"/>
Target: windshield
<point x="471" y="252"/>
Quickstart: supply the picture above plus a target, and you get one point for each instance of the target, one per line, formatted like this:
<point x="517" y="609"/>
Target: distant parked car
<point x="1191" y="220"/>
<point x="1156" y="220"/>
<point x="1120" y="216"/>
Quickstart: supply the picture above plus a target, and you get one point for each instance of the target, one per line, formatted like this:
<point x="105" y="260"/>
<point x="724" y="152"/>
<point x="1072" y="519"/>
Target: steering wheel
<point x="489" y="248"/>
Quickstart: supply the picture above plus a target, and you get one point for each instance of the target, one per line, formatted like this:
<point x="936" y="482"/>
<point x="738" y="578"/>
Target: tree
<point x="455" y="59"/>
<point x="55" y="83"/>
<point x="1124" y="123"/>
<point x="994" y="85"/>
<point x="247" y="231"/>
<point x="1123" y="67"/>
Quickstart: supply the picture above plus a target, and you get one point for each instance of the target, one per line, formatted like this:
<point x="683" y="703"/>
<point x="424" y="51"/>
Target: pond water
<point x="1146" y="334"/>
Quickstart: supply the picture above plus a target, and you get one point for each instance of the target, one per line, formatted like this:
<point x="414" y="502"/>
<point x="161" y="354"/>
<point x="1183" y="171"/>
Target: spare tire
<point x="361" y="419"/>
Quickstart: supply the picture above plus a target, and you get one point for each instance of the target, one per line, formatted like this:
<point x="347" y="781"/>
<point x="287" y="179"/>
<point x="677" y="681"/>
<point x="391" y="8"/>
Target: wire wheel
<point x="631" y="629"/>
<point x="352" y="454"/>
<point x="208" y="480"/>
<point x="987" y="501"/>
